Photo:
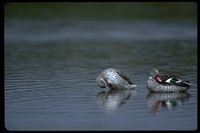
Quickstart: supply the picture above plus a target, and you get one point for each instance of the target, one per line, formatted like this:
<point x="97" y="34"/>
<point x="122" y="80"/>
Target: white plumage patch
<point x="173" y="80"/>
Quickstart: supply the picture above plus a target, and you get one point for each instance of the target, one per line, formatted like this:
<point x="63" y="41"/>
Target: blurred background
<point x="102" y="10"/>
<point x="55" y="50"/>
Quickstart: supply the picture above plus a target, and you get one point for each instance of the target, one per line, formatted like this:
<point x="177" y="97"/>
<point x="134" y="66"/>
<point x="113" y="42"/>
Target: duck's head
<point x="155" y="74"/>
<point x="101" y="82"/>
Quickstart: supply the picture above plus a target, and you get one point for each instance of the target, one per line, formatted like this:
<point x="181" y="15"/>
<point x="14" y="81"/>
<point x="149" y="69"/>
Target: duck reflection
<point x="113" y="99"/>
<point x="156" y="101"/>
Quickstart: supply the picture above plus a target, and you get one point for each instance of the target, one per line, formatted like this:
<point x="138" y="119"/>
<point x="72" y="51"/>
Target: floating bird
<point x="166" y="82"/>
<point x="114" y="79"/>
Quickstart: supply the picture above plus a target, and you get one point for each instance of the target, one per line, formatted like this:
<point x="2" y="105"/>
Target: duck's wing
<point x="174" y="80"/>
<point x="164" y="77"/>
<point x="124" y="76"/>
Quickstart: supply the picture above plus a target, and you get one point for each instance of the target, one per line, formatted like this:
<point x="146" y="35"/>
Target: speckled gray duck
<point x="166" y="82"/>
<point x="114" y="79"/>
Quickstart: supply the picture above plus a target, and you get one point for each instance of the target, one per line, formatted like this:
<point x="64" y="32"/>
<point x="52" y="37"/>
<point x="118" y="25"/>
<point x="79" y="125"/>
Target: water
<point x="51" y="67"/>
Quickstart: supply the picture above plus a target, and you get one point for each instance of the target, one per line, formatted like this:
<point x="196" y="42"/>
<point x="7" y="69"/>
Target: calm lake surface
<point x="51" y="67"/>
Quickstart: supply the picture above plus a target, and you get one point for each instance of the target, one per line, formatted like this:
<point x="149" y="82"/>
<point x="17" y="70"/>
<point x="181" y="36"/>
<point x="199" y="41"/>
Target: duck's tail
<point x="135" y="86"/>
<point x="190" y="84"/>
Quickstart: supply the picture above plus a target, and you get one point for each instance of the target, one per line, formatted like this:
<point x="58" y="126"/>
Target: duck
<point x="114" y="79"/>
<point x="166" y="82"/>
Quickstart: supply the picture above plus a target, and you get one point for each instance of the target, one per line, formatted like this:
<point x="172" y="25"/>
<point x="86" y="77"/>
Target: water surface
<point x="51" y="67"/>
